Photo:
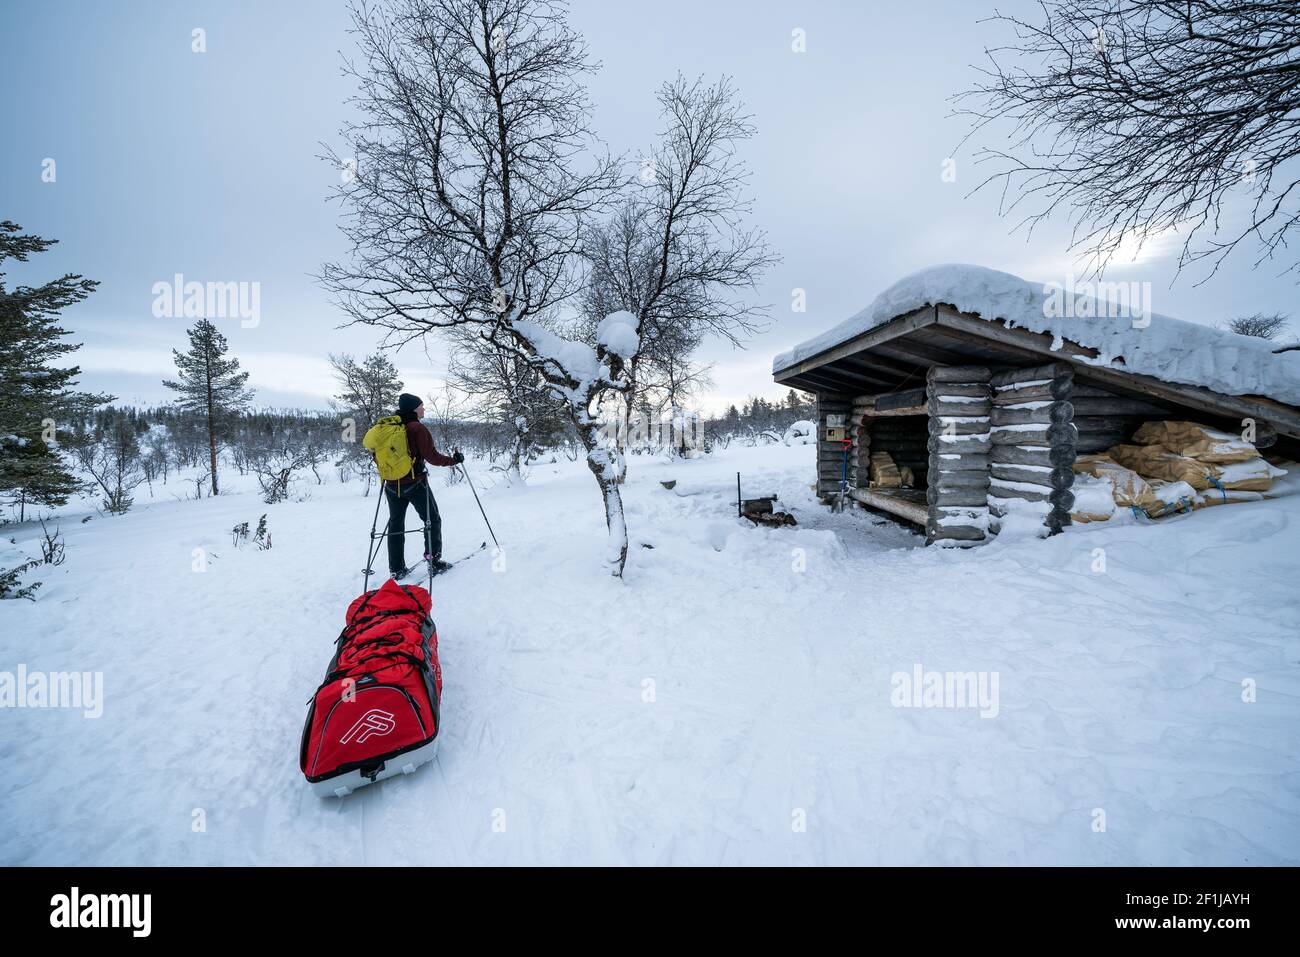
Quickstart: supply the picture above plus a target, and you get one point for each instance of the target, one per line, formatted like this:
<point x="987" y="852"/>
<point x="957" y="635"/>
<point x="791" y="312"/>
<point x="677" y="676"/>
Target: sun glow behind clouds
<point x="1132" y="253"/>
<point x="1135" y="249"/>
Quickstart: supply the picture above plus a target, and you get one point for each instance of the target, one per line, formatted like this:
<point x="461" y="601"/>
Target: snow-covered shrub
<point x="803" y="432"/>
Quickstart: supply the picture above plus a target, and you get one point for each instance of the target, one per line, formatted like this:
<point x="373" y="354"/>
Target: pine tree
<point x="38" y="403"/>
<point x="210" y="384"/>
<point x="368" y="389"/>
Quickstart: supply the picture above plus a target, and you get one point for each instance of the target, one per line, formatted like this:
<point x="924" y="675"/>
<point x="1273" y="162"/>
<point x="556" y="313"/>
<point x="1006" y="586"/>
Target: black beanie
<point x="408" y="403"/>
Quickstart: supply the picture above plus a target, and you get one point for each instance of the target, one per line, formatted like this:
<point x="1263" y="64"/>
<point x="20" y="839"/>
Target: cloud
<point x="277" y="377"/>
<point x="735" y="380"/>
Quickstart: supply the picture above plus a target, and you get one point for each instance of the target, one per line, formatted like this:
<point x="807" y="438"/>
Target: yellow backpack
<point x="387" y="440"/>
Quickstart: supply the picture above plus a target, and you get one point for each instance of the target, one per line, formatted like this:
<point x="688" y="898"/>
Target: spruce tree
<point x="210" y="384"/>
<point x="38" y="402"/>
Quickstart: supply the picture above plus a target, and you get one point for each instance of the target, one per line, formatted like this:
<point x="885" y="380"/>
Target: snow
<point x="1251" y="469"/>
<point x="1174" y="493"/>
<point x="1017" y="486"/>
<point x="966" y="517"/>
<point x="1093" y="497"/>
<point x="1022" y="385"/>
<point x="577" y="359"/>
<point x="739" y="678"/>
<point x="1151" y="344"/>
<point x="617" y="334"/>
<point x="1021" y="520"/>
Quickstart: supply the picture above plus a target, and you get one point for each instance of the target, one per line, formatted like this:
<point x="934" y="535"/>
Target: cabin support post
<point x="860" y="433"/>
<point x="959" y="402"/>
<point x="830" y="454"/>
<point x="1035" y="443"/>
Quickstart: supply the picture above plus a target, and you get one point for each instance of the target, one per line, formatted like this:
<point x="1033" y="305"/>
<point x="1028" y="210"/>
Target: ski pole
<point x="429" y="506"/>
<point x="465" y="473"/>
<point x="372" y="550"/>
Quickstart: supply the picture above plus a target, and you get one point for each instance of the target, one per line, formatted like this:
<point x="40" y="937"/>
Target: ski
<point x="481" y="547"/>
<point x="422" y="563"/>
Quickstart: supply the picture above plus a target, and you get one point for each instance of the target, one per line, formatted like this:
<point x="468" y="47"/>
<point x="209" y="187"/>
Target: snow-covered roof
<point x="1170" y="349"/>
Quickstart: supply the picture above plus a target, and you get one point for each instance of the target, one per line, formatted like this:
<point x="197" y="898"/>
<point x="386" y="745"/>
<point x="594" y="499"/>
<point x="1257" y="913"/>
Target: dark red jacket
<point x="419" y="442"/>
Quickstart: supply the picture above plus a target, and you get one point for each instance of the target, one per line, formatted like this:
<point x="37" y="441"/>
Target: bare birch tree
<point x="677" y="253"/>
<point x="503" y="387"/>
<point x="1145" y="118"/>
<point x="472" y="174"/>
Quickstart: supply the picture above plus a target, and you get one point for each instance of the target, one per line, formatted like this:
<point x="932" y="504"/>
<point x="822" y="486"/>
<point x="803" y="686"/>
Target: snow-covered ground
<point x="733" y="701"/>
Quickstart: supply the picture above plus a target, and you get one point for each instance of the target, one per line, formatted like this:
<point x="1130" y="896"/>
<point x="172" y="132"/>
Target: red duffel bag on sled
<point x="376" y="713"/>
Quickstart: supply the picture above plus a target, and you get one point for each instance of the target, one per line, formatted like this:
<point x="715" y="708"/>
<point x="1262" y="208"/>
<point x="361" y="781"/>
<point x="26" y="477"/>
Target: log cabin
<point x="987" y="387"/>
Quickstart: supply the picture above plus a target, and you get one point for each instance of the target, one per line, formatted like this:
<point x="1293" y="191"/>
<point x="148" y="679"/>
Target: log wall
<point x="1105" y="419"/>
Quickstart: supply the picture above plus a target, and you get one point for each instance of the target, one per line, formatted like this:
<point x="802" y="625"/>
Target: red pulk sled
<point x="376" y="713"/>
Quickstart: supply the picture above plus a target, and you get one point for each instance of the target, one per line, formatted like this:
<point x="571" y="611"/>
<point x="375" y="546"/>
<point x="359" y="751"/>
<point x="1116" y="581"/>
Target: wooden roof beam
<point x="827" y="383"/>
<point x="864" y="383"/>
<point x="878" y="366"/>
<point x="915" y="319"/>
<point x="930" y="354"/>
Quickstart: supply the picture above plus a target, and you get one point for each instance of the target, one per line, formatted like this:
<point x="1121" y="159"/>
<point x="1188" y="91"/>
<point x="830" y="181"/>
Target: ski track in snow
<point x="1119" y="691"/>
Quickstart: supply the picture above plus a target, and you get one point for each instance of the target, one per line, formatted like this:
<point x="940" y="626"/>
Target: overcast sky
<point x="205" y="164"/>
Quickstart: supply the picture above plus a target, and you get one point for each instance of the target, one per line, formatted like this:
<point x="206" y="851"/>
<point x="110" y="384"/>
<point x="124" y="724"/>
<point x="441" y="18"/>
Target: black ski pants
<point x="417" y="493"/>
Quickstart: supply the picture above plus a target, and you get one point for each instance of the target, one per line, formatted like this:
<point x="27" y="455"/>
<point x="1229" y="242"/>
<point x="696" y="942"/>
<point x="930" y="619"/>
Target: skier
<point x="401" y="445"/>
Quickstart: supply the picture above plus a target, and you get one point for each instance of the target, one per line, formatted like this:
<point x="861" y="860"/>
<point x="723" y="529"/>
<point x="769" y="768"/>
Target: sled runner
<point x="376" y="714"/>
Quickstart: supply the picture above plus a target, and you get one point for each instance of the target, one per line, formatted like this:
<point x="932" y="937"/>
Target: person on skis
<point x="403" y="486"/>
